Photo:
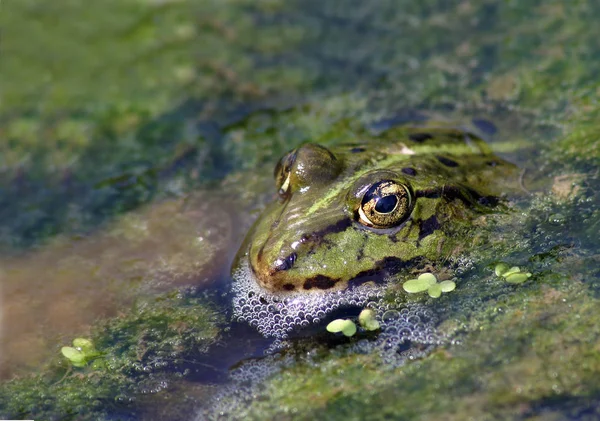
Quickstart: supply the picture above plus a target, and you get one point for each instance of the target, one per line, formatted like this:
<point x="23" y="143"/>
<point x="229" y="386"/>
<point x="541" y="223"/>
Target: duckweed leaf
<point x="434" y="291"/>
<point x="336" y="326"/>
<point x="517" y="278"/>
<point x="500" y="269"/>
<point x="429" y="277"/>
<point x="416" y="285"/>
<point x="514" y="269"/>
<point x="71" y="353"/>
<point x="367" y="320"/>
<point x="349" y="329"/>
<point x="76" y="357"/>
<point x="447" y="286"/>
<point x="85" y="345"/>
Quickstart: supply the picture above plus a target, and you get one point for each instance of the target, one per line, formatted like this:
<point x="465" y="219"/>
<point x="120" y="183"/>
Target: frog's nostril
<point x="285" y="263"/>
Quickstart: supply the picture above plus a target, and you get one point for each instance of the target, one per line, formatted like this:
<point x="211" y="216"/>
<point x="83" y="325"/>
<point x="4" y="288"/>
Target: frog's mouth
<point x="277" y="275"/>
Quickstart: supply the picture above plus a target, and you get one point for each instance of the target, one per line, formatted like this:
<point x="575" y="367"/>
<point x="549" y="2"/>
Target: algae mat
<point x="136" y="145"/>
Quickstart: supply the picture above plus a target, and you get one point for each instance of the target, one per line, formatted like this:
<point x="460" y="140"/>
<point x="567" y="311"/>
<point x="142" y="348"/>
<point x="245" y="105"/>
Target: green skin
<point x="312" y="238"/>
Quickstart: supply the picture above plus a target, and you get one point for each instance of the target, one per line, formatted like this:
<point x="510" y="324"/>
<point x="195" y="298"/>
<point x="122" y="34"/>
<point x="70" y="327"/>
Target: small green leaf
<point x="85" y="345"/>
<point x="447" y="286"/>
<point x="500" y="269"/>
<point x="514" y="269"/>
<point x="372" y="325"/>
<point x="336" y="326"/>
<point x="429" y="277"/>
<point x="434" y="291"/>
<point x="72" y="354"/>
<point x="416" y="285"/>
<point x="367" y="320"/>
<point x="349" y="329"/>
<point x="517" y="278"/>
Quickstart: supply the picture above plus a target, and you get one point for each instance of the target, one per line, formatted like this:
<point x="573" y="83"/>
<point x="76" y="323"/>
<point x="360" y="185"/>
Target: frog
<point x="359" y="212"/>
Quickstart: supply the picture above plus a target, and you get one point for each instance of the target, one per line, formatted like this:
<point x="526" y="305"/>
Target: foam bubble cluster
<point x="276" y="315"/>
<point x="408" y="331"/>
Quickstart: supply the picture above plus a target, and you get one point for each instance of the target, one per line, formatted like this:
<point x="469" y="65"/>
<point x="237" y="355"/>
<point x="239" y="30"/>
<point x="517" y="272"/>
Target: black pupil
<point x="386" y="204"/>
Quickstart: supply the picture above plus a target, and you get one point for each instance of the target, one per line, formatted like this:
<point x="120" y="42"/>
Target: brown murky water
<point x="55" y="293"/>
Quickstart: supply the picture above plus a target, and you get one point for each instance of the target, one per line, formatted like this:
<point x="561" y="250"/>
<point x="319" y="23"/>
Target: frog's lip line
<point x="380" y="274"/>
<point x="375" y="276"/>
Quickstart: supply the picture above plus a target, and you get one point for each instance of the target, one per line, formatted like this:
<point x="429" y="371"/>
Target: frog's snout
<point x="271" y="273"/>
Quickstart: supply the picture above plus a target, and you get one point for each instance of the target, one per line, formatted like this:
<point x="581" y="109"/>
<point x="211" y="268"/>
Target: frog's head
<point x="345" y="215"/>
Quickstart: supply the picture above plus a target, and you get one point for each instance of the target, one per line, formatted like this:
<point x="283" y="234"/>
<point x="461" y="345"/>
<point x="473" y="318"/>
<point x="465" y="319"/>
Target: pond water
<point x="137" y="146"/>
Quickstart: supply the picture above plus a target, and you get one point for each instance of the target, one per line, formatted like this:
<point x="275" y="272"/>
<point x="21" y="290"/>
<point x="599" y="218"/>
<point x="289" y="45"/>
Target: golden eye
<point x="283" y="171"/>
<point x="385" y="205"/>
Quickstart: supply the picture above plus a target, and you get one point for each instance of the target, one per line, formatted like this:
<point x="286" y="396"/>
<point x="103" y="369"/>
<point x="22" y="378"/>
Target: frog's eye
<point x="283" y="173"/>
<point x="385" y="205"/>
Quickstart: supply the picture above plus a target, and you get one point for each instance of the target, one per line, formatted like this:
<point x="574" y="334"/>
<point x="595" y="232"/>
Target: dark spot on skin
<point x="320" y="282"/>
<point x="409" y="171"/>
<point x="492" y="163"/>
<point x="428" y="226"/>
<point x="288" y="287"/>
<point x="339" y="226"/>
<point x="287" y="263"/>
<point x="382" y="268"/>
<point x="393" y="238"/>
<point x="467" y="195"/>
<point x="420" y="137"/>
<point x="317" y="239"/>
<point x="485" y="126"/>
<point x="357" y="150"/>
<point x="447" y="161"/>
<point x="361" y="250"/>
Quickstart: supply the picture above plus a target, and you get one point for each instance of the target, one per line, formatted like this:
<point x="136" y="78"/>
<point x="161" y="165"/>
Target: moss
<point x="141" y="352"/>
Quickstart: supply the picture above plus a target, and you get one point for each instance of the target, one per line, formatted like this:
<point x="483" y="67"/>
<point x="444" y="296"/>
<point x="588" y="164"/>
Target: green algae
<point x="522" y="350"/>
<point x="119" y="119"/>
<point x="137" y="353"/>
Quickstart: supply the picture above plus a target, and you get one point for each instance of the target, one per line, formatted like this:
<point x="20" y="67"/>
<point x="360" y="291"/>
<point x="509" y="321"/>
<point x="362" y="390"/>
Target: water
<point x="137" y="145"/>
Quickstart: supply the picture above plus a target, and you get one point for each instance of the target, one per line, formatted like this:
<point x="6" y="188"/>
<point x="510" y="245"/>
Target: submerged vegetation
<point x="140" y="352"/>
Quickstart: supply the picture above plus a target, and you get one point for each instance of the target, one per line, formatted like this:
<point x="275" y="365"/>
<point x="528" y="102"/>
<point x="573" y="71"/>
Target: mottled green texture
<point x="140" y="352"/>
<point x="489" y="376"/>
<point x="324" y="230"/>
